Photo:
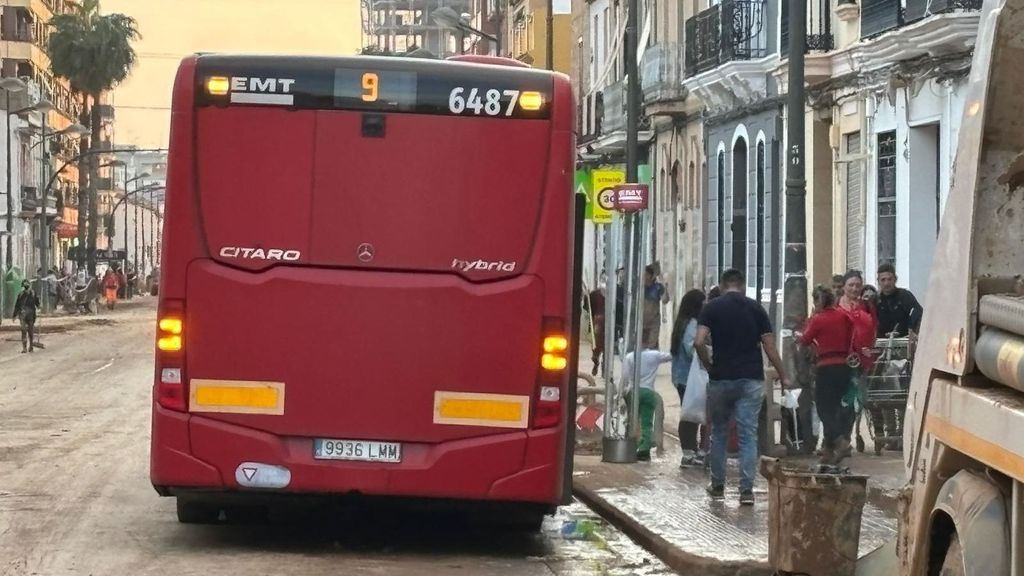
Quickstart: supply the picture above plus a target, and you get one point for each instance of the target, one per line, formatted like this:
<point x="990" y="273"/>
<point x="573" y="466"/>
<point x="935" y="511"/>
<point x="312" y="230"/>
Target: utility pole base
<point x="618" y="450"/>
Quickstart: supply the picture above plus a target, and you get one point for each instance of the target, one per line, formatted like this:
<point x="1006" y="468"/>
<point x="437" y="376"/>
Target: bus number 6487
<point x="487" y="102"/>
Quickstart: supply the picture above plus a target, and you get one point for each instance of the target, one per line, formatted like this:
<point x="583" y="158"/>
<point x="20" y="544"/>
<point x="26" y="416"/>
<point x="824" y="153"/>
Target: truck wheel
<point x="197" y="512"/>
<point x="953" y="565"/>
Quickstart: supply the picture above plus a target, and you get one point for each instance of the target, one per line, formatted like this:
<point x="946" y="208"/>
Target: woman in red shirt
<point x="865" y="322"/>
<point x="831" y="331"/>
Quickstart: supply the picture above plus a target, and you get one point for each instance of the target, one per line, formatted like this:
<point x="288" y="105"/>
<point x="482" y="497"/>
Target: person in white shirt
<point x="650" y="359"/>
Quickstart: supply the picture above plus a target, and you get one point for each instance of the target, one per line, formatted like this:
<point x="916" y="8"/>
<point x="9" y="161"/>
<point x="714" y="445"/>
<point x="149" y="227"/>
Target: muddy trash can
<point x="814" y="520"/>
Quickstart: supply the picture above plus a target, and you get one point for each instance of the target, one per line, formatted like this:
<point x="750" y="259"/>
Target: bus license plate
<point x="363" y="450"/>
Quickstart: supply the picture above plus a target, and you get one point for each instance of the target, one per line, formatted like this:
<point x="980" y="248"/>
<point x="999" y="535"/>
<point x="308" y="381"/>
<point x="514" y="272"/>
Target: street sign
<point x="604" y="184"/>
<point x="582" y="186"/>
<point x="630" y="197"/>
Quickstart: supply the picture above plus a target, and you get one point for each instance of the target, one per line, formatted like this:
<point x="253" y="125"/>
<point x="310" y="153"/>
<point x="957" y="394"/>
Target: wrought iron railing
<point x="732" y="30"/>
<point x="819" y="27"/>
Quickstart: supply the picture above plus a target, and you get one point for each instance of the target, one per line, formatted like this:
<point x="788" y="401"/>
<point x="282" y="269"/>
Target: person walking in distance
<point x="684" y="334"/>
<point x="655" y="294"/>
<point x="25" y="308"/>
<point x="740" y="329"/>
<point x="595" y="303"/>
<point x="110" y="286"/>
<point x="650" y="359"/>
<point x="831" y="332"/>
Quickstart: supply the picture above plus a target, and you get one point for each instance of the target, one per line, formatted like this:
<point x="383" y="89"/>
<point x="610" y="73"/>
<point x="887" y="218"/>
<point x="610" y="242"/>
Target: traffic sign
<point x="604" y="184"/>
<point x="630" y="197"/>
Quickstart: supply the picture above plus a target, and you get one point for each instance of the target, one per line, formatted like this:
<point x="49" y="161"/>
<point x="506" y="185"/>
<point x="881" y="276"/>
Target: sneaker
<point x="692" y="462"/>
<point x="716" y="492"/>
<point x="747" y="498"/>
<point x="643" y="456"/>
<point x="843" y="450"/>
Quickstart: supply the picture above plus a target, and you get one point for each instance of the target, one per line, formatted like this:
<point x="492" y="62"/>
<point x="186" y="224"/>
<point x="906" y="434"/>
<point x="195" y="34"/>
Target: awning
<point x="66" y="230"/>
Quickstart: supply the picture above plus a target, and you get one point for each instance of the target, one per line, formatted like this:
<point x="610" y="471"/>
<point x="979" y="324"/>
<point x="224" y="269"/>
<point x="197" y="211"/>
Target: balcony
<point x="29" y="202"/>
<point x="732" y="30"/>
<point x="891" y="33"/>
<point x="880" y="16"/>
<point x="104" y="183"/>
<point x="19" y="35"/>
<point x="661" y="73"/>
<point x="819" y="27"/>
<point x="613" y="116"/>
<point x="106" y="111"/>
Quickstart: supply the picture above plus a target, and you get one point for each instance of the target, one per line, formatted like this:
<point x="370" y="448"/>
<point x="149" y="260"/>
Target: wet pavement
<point x="667" y="509"/>
<point x="661" y="504"/>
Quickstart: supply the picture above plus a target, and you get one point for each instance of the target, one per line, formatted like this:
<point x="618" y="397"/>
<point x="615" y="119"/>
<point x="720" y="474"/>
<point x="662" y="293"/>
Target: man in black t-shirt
<point x="739" y="328"/>
<point x="899" y="311"/>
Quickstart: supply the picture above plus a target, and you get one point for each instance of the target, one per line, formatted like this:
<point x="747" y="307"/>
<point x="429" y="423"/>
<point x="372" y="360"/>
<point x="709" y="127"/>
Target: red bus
<point x="368" y="283"/>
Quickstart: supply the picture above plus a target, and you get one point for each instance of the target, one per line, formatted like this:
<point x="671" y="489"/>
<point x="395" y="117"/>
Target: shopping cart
<point x="885" y="389"/>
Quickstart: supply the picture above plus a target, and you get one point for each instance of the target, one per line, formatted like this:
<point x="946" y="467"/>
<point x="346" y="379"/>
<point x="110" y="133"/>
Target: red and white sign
<point x="630" y="197"/>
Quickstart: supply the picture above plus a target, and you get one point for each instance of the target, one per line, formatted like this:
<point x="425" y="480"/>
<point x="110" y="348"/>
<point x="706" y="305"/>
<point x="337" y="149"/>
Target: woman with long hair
<point x="865" y="325"/>
<point x="684" y="332"/>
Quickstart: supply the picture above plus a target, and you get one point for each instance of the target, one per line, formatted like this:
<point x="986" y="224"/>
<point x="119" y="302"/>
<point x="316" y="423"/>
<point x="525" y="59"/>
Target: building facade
<point x="46" y="164"/>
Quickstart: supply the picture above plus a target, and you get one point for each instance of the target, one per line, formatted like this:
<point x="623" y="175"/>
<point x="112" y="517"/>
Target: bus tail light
<point x="171" y="391"/>
<point x="547" y="410"/>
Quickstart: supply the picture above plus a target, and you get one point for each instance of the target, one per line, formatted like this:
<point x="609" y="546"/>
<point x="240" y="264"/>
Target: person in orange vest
<point x="110" y="286"/>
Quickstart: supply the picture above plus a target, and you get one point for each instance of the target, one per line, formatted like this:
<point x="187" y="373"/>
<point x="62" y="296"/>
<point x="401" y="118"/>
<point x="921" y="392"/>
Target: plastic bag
<point x="695" y="399"/>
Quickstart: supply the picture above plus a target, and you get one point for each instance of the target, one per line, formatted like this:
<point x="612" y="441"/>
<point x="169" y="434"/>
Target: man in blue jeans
<point x="739" y="329"/>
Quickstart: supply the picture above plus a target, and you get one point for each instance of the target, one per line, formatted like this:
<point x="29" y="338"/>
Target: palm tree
<point x="94" y="53"/>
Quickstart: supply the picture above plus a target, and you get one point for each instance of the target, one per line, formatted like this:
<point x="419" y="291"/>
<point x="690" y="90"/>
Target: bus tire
<point x="190" y="512"/>
<point x="953" y="564"/>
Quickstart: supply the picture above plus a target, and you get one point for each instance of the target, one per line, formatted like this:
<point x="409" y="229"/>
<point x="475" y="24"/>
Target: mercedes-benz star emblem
<point x="365" y="252"/>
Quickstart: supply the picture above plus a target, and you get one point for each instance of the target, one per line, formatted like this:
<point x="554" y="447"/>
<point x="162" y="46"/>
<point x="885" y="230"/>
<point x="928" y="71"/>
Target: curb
<point x="674" y="557"/>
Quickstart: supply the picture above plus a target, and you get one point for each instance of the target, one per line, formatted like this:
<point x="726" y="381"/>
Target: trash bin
<point x="12" y="285"/>
<point x="813" y="520"/>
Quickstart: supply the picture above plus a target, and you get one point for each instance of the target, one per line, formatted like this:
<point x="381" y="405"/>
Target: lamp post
<point x="135" y="221"/>
<point x="44" y="228"/>
<point x="448" y="18"/>
<point x="122" y="200"/>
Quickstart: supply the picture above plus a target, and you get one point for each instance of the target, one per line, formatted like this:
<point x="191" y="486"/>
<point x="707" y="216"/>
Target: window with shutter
<point x="854" y="202"/>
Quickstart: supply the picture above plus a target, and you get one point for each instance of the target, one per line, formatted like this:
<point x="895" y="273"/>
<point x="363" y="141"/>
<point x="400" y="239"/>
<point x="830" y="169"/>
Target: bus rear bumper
<point x="519" y="466"/>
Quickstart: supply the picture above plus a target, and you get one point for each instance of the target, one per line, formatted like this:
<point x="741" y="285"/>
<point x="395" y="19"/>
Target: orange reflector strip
<point x="169" y="343"/>
<point x="218" y="85"/>
<point x="236" y="396"/>
<point x="481" y="410"/>
<point x="556" y="344"/>
<point x="473" y="409"/>
<point x="553" y="362"/>
<point x="531" y="100"/>
<point x="172" y="325"/>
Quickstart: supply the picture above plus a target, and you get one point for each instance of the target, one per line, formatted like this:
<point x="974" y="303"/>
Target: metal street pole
<point x="9" y="258"/>
<point x="140" y="273"/>
<point x="549" y="24"/>
<point x="127" y="289"/>
<point x="135" y="232"/>
<point x="617" y="447"/>
<point x="44" y="229"/>
<point x="794" y="311"/>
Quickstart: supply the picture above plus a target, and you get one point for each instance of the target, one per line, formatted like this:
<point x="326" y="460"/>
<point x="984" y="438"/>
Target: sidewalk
<point x="60" y="321"/>
<point x="666" y="509"/>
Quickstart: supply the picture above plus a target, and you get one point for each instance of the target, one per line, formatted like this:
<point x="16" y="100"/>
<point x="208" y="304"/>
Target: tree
<point x="94" y="53"/>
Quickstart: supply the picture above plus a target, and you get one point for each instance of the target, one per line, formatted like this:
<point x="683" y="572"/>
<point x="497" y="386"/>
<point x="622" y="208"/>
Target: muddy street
<point x="75" y="496"/>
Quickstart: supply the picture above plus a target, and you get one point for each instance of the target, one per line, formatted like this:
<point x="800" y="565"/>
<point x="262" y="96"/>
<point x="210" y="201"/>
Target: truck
<point x="962" y="509"/>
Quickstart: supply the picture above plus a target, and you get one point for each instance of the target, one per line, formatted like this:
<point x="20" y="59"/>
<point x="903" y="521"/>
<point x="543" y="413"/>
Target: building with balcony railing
<point x="731" y="49"/>
<point x="887" y="103"/>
